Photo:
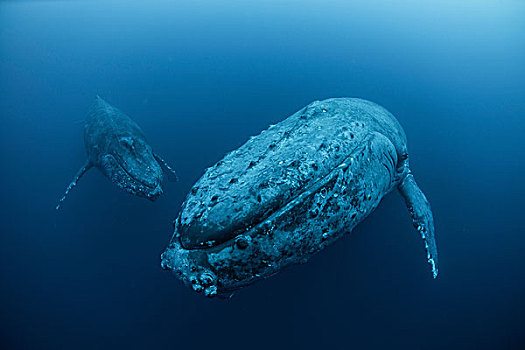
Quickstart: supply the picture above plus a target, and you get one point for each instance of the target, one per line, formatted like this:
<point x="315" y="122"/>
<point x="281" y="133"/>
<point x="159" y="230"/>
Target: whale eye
<point x="128" y="142"/>
<point x="242" y="242"/>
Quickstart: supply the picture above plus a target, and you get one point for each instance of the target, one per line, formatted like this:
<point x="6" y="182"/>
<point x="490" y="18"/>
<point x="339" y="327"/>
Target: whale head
<point x="133" y="167"/>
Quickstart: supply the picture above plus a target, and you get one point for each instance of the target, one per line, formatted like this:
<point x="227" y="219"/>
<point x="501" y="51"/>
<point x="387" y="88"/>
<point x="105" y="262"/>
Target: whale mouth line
<point x="255" y="227"/>
<point x="149" y="187"/>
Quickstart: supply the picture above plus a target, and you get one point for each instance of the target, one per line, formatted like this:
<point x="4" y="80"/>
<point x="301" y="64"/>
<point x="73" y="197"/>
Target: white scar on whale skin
<point x="291" y="191"/>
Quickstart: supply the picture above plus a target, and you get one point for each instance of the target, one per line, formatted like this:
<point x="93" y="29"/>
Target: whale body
<point x="291" y="191"/>
<point x="116" y="145"/>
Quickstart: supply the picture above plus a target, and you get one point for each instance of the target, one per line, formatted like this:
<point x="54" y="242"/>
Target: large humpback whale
<point x="291" y="191"/>
<point x="116" y="146"/>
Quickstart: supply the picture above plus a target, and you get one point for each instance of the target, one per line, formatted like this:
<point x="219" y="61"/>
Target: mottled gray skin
<point x="117" y="147"/>
<point x="291" y="191"/>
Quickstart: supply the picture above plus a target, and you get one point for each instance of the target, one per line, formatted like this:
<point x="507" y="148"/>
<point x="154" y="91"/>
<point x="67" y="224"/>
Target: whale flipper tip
<point x="422" y="218"/>
<point x="87" y="165"/>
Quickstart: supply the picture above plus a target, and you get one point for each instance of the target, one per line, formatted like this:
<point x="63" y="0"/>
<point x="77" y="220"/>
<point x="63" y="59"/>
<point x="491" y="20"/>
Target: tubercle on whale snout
<point x="190" y="271"/>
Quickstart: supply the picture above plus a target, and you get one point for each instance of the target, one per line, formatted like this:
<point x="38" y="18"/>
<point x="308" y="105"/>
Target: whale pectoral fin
<point x="172" y="175"/>
<point x="87" y="165"/>
<point x="422" y="218"/>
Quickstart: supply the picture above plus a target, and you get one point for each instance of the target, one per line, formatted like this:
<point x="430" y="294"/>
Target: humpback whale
<point x="290" y="192"/>
<point x="116" y="146"/>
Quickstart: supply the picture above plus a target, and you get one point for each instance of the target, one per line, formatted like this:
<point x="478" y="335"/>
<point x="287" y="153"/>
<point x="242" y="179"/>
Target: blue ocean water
<point x="200" y="77"/>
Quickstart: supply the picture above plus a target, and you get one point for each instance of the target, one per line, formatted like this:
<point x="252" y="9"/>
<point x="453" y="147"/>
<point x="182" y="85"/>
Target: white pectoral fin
<point x="87" y="165"/>
<point x="172" y="175"/>
<point x="422" y="219"/>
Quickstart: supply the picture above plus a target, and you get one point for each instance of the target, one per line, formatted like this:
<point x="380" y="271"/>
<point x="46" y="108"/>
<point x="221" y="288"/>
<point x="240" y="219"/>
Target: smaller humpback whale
<point x="290" y="192"/>
<point x="116" y="146"/>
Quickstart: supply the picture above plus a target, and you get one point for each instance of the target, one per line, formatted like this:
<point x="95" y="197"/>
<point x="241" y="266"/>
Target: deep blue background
<point x="200" y="77"/>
